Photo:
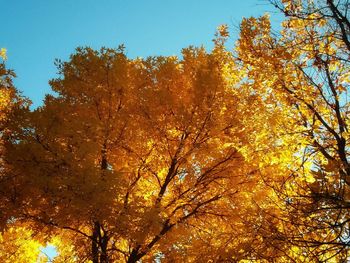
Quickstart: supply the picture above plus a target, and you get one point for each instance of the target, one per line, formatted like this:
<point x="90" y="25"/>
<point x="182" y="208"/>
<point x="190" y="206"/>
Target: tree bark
<point x="104" y="255"/>
<point x="94" y="243"/>
<point x="135" y="255"/>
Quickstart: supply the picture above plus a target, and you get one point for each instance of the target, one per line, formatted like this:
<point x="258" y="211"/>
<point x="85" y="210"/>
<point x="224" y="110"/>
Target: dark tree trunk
<point x="135" y="256"/>
<point x="99" y="243"/>
<point x="103" y="240"/>
<point x="94" y="243"/>
<point x="104" y="255"/>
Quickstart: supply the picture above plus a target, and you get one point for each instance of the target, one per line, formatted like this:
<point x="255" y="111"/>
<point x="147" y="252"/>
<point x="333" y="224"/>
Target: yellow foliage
<point x="3" y="53"/>
<point x="17" y="244"/>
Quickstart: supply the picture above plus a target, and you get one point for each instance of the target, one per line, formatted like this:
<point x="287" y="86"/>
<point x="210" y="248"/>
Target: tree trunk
<point x="104" y="256"/>
<point x="99" y="250"/>
<point x="99" y="243"/>
<point x="94" y="243"/>
<point x="135" y="256"/>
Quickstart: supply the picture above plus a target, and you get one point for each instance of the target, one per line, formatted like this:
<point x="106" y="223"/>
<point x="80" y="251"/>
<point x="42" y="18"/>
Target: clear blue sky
<point x="36" y="32"/>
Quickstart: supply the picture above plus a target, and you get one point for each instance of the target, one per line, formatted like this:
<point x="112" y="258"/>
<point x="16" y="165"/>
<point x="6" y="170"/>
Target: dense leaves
<point x="221" y="156"/>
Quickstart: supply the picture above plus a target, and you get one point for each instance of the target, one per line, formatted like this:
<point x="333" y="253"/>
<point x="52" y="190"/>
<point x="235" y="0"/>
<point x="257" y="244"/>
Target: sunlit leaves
<point x="212" y="156"/>
<point x="3" y="53"/>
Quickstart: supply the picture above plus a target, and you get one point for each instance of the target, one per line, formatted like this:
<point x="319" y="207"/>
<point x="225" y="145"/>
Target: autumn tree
<point x="13" y="108"/>
<point x="132" y="155"/>
<point x="220" y="156"/>
<point x="18" y="242"/>
<point x="305" y="70"/>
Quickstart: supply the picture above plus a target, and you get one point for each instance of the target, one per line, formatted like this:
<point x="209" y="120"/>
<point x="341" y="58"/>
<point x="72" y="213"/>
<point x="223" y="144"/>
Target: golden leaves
<point x="223" y="31"/>
<point x="17" y="244"/>
<point x="172" y="156"/>
<point x="3" y="53"/>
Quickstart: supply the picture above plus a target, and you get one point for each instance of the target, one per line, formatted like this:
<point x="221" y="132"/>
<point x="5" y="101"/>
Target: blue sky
<point x="38" y="31"/>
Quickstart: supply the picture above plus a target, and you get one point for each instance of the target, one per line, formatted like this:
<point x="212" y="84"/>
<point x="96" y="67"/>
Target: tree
<point x="132" y="155"/>
<point x="18" y="242"/>
<point x="13" y="108"/>
<point x="218" y="156"/>
<point x="305" y="71"/>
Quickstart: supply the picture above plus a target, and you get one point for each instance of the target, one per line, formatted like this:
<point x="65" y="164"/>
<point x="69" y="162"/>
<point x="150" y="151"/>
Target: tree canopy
<point x="228" y="155"/>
